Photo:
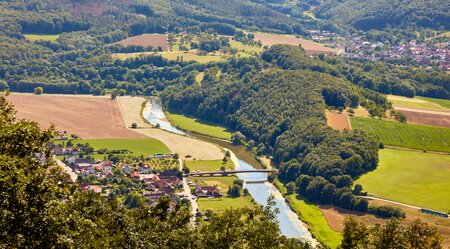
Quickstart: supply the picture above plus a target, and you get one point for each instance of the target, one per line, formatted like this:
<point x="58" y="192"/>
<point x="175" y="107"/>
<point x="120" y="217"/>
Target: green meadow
<point x="198" y="125"/>
<point x="411" y="177"/>
<point x="208" y="165"/>
<point x="36" y="37"/>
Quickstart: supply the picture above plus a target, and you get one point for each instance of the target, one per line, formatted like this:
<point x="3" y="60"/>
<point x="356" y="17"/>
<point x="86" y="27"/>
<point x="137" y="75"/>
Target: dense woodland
<point x="281" y="113"/>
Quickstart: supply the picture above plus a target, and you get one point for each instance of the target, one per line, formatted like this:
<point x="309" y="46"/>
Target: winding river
<point x="256" y="183"/>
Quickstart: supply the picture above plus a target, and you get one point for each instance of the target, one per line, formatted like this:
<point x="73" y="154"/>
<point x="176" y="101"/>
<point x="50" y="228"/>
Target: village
<point x="423" y="54"/>
<point x="154" y="177"/>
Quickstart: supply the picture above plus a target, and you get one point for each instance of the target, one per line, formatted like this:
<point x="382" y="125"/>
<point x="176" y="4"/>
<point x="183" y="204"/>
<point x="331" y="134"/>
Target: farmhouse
<point x="207" y="191"/>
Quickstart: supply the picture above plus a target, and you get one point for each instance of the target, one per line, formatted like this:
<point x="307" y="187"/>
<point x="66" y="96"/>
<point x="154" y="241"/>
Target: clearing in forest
<point x="338" y="121"/>
<point x="411" y="177"/>
<point x="37" y="37"/>
<point x="311" y="48"/>
<point x="147" y="40"/>
<point x="86" y="116"/>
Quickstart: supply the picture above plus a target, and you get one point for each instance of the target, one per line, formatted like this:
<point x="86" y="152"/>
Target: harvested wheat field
<point x="87" y="116"/>
<point x="131" y="108"/>
<point x="311" y="48"/>
<point x="420" y="116"/>
<point x="338" y="121"/>
<point x="147" y="40"/>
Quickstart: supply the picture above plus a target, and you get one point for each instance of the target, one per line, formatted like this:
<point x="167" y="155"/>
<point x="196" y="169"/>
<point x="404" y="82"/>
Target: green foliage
<point x="235" y="191"/>
<point x="392" y="233"/>
<point x="405" y="135"/>
<point x="38" y="90"/>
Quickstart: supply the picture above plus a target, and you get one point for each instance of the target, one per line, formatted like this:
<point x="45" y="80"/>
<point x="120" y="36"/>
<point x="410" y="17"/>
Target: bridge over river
<point x="230" y="172"/>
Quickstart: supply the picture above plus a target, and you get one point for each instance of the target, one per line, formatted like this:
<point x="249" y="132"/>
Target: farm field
<point x="173" y="55"/>
<point x="310" y="47"/>
<point x="338" y="121"/>
<point x="209" y="165"/>
<point x="129" y="107"/>
<point x="245" y="48"/>
<point x="147" y="40"/>
<point x="418" y="102"/>
<point x="136" y="147"/>
<point x="198" y="125"/>
<point x="439" y="118"/>
<point x="87" y="116"/>
<point x="442" y="102"/>
<point x="37" y="37"/>
<point x="182" y="145"/>
<point x="405" y="135"/>
<point x="411" y="177"/>
<point x="312" y="216"/>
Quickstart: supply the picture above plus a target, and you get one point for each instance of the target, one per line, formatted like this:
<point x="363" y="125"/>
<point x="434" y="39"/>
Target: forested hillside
<point x="380" y="14"/>
<point x="281" y="112"/>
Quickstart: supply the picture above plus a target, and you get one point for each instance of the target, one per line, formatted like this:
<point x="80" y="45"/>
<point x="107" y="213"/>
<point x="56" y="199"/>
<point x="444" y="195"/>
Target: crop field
<point x="136" y="147"/>
<point x="411" y="177"/>
<point x="147" y="40"/>
<point x="419" y="102"/>
<point x="338" y="121"/>
<point x="86" y="116"/>
<point x="437" y="118"/>
<point x="209" y="165"/>
<point x="198" y="125"/>
<point x="313" y="217"/>
<point x="405" y="135"/>
<point x="131" y="107"/>
<point x="310" y="47"/>
<point x="174" y="55"/>
<point x="36" y="37"/>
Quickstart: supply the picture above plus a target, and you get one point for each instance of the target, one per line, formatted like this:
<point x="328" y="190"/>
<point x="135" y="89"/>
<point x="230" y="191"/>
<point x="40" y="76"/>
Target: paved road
<point x="68" y="170"/>
<point x="187" y="193"/>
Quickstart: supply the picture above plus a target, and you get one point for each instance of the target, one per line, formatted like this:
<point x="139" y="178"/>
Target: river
<point x="256" y="183"/>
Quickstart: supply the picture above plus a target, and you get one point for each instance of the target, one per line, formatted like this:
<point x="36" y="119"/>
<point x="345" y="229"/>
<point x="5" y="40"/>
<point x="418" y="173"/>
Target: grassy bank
<point x="415" y="178"/>
<point x="197" y="125"/>
<point x="405" y="135"/>
<point x="313" y="217"/>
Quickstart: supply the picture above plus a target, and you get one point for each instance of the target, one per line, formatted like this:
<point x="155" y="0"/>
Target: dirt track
<point x="84" y="115"/>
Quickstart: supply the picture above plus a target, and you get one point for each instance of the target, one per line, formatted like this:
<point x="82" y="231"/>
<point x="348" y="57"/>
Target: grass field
<point x="199" y="77"/>
<point x="173" y="55"/>
<point x="313" y="217"/>
<point x="220" y="204"/>
<point x="442" y="102"/>
<point x="35" y="37"/>
<point x="208" y="165"/>
<point x="415" y="178"/>
<point x="405" y="135"/>
<point x="222" y="182"/>
<point x="420" y="102"/>
<point x="198" y="125"/>
<point x="137" y="147"/>
<point x="245" y="48"/>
